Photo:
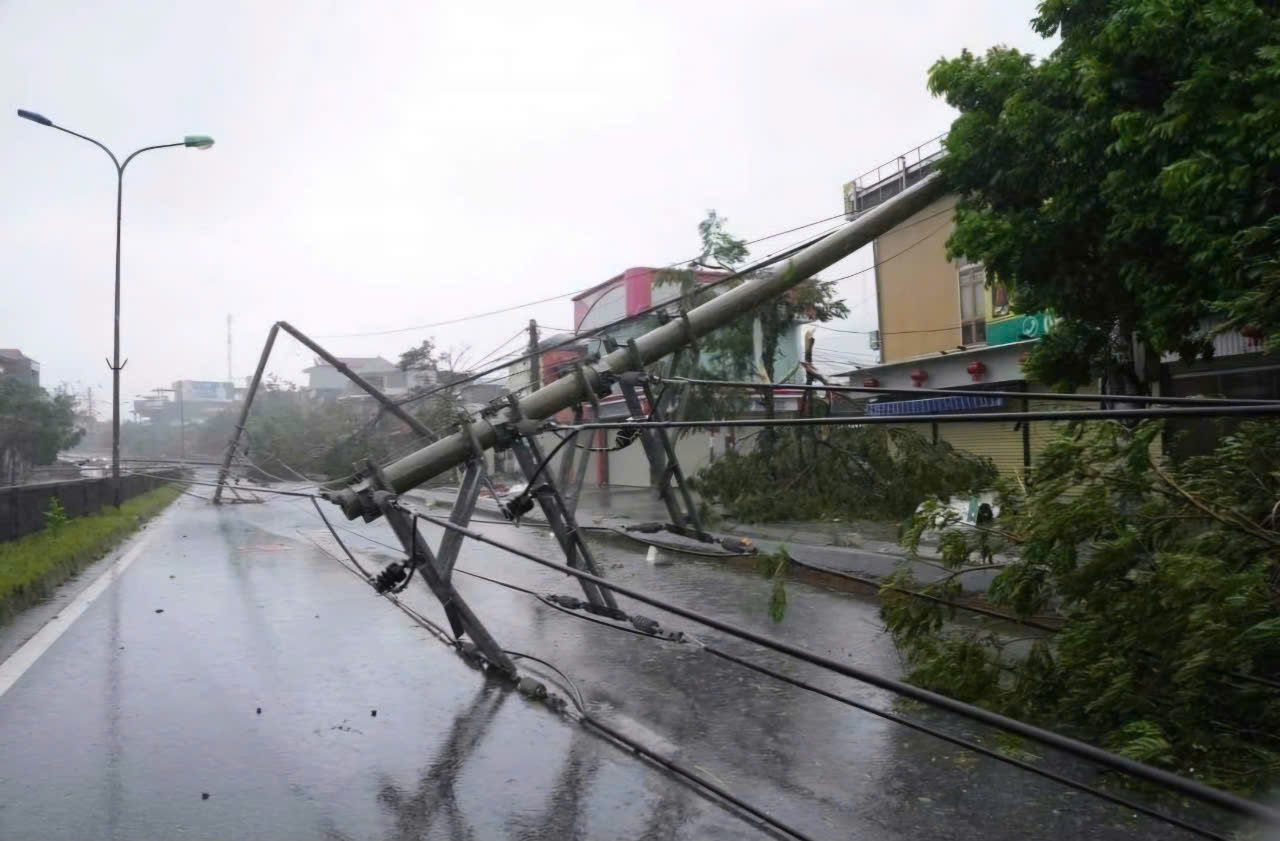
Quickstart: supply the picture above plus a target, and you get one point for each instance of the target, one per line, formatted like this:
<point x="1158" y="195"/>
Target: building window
<point x="999" y="299"/>
<point x="973" y="310"/>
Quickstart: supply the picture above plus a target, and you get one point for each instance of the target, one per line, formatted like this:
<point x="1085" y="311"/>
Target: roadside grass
<point x="32" y="566"/>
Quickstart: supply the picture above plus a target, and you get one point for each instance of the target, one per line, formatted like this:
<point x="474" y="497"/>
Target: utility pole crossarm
<point x="430" y="461"/>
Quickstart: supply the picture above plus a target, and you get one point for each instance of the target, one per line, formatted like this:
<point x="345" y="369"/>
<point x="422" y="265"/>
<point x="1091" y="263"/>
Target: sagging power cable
<point x="654" y="632"/>
<point x="584" y="714"/>
<point x="646" y="627"/>
<point x="1268" y="409"/>
<point x="1182" y="785"/>
<point x="526" y="305"/>
<point x="962" y="392"/>
<point x="643" y="626"/>
<point x="729" y="278"/>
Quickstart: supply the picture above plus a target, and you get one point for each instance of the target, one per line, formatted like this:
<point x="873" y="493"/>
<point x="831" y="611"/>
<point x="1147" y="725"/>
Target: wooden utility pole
<point x="535" y="359"/>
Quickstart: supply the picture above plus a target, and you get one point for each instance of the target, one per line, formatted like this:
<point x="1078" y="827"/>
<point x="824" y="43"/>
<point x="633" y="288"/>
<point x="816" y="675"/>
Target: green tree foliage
<point x="873" y="471"/>
<point x="1127" y="182"/>
<point x="421" y="357"/>
<point x="1167" y="581"/>
<point x="731" y="351"/>
<point x="34" y="423"/>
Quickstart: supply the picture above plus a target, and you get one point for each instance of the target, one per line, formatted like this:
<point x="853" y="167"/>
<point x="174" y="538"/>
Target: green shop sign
<point x="1018" y="328"/>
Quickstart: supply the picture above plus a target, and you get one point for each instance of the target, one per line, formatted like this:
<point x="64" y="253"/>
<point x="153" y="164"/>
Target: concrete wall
<point x="630" y="467"/>
<point x="22" y="507"/>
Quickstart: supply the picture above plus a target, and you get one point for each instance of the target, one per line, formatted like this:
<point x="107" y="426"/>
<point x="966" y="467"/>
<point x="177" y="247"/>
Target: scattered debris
<point x="259" y="710"/>
<point x="204" y="795"/>
<point x="373" y="713"/>
<point x="343" y="727"/>
<point x="159" y="610"/>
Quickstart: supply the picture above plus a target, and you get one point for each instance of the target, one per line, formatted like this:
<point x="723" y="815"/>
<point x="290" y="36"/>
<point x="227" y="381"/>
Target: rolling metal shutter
<point x="999" y="442"/>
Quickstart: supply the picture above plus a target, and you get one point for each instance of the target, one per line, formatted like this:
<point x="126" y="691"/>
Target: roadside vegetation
<point x="1167" y="580"/>
<point x="35" y="425"/>
<point x="32" y="566"/>
<point x="1127" y="183"/>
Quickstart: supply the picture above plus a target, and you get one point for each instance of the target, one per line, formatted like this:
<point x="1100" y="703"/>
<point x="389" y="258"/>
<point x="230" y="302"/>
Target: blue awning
<point x="935" y="405"/>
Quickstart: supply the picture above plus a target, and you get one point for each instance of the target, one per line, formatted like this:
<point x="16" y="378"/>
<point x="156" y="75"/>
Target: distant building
<point x="14" y="365"/>
<point x="386" y="376"/>
<point x="327" y="381"/>
<point x="187" y="401"/>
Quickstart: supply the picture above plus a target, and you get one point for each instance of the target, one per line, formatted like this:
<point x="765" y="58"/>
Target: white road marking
<point x="29" y="653"/>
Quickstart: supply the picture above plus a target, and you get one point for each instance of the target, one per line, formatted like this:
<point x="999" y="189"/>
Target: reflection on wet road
<point x="132" y="716"/>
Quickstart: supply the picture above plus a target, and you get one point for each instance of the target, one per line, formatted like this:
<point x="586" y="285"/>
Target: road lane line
<point x="22" y="659"/>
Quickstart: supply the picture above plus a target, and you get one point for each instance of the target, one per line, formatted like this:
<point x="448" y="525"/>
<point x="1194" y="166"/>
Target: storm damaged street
<point x="235" y="680"/>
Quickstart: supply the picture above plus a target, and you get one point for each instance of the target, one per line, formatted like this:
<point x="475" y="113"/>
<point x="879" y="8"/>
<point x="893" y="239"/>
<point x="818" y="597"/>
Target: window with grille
<point x="973" y="309"/>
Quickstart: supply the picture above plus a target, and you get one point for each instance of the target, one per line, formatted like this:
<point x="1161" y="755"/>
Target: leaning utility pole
<point x="535" y="359"/>
<point x="597" y="379"/>
<point x="418" y="427"/>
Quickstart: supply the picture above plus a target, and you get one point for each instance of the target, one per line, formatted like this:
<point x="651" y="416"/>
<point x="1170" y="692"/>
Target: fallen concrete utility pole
<point x="596" y="380"/>
<point x="386" y="403"/>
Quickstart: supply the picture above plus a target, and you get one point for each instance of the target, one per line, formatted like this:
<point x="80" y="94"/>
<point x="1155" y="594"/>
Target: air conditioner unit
<point x="875" y="339"/>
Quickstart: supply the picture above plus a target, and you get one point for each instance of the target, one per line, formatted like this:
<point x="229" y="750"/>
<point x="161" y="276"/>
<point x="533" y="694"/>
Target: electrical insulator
<point x="390" y="577"/>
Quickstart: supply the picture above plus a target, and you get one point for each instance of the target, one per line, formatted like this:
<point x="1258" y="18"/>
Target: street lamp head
<point x="197" y="141"/>
<point x="37" y="118"/>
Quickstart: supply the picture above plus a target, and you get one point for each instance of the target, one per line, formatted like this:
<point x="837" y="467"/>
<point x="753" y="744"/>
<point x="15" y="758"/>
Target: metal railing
<point x="893" y="176"/>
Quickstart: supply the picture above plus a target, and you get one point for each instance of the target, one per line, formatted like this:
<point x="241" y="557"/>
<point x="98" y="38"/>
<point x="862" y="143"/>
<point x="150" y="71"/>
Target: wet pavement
<point x="124" y="725"/>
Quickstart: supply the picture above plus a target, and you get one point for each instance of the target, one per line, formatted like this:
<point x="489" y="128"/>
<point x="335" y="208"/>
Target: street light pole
<point x="191" y="141"/>
<point x="182" y="427"/>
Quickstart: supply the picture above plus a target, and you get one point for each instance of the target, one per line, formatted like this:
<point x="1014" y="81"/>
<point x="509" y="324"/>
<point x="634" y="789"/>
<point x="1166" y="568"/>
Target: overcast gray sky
<point x="380" y="165"/>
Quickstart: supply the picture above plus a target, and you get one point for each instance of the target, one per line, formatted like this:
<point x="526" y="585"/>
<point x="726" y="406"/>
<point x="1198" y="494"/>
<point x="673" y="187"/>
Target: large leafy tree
<point x="35" y="424"/>
<point x="1128" y="181"/>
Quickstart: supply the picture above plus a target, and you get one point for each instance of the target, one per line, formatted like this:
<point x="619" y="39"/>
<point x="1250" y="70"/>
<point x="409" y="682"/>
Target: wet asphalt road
<point x="133" y="715"/>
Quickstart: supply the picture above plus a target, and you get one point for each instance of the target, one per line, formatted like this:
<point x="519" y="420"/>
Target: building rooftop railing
<point x="892" y="177"/>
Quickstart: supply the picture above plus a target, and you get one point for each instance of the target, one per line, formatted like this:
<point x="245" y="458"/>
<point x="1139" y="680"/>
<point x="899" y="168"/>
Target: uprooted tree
<point x="1166" y="578"/>
<point x="873" y="471"/>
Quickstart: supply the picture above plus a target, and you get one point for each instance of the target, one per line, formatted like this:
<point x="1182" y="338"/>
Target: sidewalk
<point x="863" y="548"/>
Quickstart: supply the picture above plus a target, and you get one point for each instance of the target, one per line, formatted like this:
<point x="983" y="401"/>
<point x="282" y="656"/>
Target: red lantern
<point x="870" y="382"/>
<point x="1251" y="333"/>
<point x="918" y="376"/>
<point x="976" y="370"/>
